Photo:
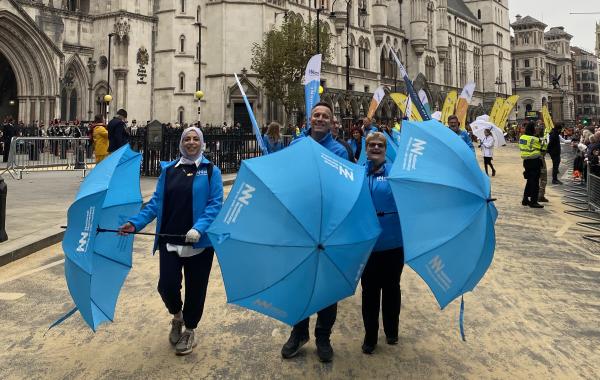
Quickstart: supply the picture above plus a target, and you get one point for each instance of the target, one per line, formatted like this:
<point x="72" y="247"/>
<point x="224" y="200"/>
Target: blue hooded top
<point x="385" y="206"/>
<point x="329" y="143"/>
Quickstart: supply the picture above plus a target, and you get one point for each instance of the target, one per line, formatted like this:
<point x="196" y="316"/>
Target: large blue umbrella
<point x="96" y="264"/>
<point x="295" y="232"/>
<point x="446" y="213"/>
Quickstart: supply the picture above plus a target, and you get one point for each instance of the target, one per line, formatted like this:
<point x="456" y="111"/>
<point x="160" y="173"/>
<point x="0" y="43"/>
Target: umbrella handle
<point x="98" y="230"/>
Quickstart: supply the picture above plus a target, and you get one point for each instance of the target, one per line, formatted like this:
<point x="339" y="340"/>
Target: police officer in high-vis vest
<point x="531" y="146"/>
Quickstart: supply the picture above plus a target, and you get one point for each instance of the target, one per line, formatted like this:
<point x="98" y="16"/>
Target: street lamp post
<point x="320" y="9"/>
<point x="108" y="97"/>
<point x="199" y="94"/>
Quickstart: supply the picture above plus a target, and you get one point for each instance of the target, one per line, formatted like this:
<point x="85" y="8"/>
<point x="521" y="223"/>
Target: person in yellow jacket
<point x="100" y="138"/>
<point x="531" y="152"/>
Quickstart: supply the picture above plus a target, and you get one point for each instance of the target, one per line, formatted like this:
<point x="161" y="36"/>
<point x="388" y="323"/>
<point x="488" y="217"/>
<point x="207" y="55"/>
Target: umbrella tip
<point x="491" y="200"/>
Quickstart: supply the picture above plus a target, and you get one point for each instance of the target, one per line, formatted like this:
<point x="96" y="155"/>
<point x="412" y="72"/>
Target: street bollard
<point x="3" y="191"/>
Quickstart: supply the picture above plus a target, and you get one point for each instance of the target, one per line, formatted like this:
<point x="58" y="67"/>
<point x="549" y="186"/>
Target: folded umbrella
<point x="295" y="232"/>
<point x="446" y="213"/>
<point x="96" y="264"/>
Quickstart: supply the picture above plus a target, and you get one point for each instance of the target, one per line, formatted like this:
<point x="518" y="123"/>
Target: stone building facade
<point x="586" y="84"/>
<point x="542" y="69"/>
<point x="56" y="55"/>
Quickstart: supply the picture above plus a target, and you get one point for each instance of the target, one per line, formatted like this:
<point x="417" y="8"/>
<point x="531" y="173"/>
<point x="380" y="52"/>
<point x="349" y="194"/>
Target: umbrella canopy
<point x="482" y="123"/>
<point x="295" y="232"/>
<point x="96" y="264"/>
<point x="445" y="209"/>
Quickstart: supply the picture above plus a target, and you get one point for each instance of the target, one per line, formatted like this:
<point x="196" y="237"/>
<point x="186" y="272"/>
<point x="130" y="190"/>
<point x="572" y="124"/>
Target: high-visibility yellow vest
<point x="530" y="147"/>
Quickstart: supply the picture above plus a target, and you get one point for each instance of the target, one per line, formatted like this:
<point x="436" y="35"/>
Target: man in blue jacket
<point x="321" y="118"/>
<point x="117" y="135"/>
<point x="320" y="121"/>
<point x="454" y="124"/>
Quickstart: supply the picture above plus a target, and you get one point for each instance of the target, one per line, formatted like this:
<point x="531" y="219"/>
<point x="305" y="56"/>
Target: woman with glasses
<point x="381" y="278"/>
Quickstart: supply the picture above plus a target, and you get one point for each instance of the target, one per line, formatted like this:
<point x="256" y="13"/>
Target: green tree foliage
<point x="280" y="60"/>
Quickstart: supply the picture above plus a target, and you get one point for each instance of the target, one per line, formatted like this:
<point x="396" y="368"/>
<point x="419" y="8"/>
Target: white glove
<point x="192" y="236"/>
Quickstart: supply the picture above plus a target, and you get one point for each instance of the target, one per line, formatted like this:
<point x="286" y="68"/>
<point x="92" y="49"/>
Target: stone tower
<point x="597" y="40"/>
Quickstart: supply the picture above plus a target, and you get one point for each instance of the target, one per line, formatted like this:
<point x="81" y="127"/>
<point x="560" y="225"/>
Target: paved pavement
<point x="533" y="316"/>
<point x="36" y="208"/>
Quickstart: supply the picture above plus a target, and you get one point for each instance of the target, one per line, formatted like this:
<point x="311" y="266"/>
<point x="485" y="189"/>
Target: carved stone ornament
<point x="122" y="29"/>
<point x="103" y="62"/>
<point x="142" y="56"/>
<point x="91" y="64"/>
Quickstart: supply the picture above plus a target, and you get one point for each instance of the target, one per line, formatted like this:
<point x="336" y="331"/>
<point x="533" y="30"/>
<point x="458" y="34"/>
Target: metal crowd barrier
<point x="586" y="199"/>
<point x="29" y="154"/>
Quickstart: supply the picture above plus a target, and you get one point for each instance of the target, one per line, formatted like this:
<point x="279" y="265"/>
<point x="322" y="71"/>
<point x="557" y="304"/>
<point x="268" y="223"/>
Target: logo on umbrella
<point x="341" y="168"/>
<point x="435" y="267"/>
<point x="242" y="198"/>
<point x="417" y="147"/>
<point x="269" y="307"/>
<point x="84" y="240"/>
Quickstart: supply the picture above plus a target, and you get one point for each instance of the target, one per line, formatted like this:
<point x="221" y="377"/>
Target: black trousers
<point x="532" y="172"/>
<point x="381" y="285"/>
<point x="555" y="165"/>
<point x="197" y="270"/>
<point x="325" y="320"/>
<point x="487" y="161"/>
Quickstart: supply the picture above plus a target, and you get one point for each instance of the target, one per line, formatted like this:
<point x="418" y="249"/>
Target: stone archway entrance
<point x="9" y="104"/>
<point x="34" y="61"/>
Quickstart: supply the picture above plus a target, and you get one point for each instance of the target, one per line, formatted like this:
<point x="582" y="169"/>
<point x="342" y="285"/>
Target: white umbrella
<point x="482" y="123"/>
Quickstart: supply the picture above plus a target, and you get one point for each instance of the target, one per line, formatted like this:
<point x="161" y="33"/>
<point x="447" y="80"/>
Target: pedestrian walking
<point x="540" y="130"/>
<point x="117" y="134"/>
<point x="554" y="150"/>
<point x="320" y="125"/>
<point x="530" y="147"/>
<point x="100" y="139"/>
<point x="487" y="150"/>
<point x="188" y="197"/>
<point x="381" y="277"/>
<point x="272" y="138"/>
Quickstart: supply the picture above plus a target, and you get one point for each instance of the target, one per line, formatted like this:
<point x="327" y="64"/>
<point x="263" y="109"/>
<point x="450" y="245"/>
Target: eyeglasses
<point x="376" y="145"/>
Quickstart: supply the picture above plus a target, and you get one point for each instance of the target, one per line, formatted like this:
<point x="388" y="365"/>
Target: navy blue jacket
<point x="117" y="135"/>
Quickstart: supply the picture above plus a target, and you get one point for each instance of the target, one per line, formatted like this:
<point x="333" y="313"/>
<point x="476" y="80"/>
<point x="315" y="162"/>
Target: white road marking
<point x="29" y="272"/>
<point x="563" y="229"/>
<point x="11" y="296"/>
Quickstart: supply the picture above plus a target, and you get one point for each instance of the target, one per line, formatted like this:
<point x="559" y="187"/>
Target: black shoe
<point x="324" y="350"/>
<point x="525" y="202"/>
<point x="543" y="199"/>
<point x="293" y="345"/>
<point x="536" y="205"/>
<point x="556" y="182"/>
<point x="392" y="340"/>
<point x="368" y="349"/>
<point x="493" y="173"/>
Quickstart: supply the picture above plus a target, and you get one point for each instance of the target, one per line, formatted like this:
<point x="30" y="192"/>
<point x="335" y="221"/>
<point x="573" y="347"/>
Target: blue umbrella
<point x="446" y="213"/>
<point x="96" y="264"/>
<point x="295" y="232"/>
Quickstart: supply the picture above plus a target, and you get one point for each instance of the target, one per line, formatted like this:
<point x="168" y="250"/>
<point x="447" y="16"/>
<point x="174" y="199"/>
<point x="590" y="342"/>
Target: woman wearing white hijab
<point x="188" y="197"/>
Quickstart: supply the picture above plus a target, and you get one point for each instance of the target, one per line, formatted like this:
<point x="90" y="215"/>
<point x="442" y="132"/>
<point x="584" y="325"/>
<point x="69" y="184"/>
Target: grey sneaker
<point x="186" y="344"/>
<point x="176" y="329"/>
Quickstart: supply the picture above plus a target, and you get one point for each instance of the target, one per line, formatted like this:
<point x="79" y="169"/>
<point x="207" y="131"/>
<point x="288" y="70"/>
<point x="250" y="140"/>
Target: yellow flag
<point x="449" y="106"/>
<point x="496" y="108"/>
<point x="548" y="123"/>
<point x="462" y="106"/>
<point x="400" y="100"/>
<point x="502" y="116"/>
<point x="377" y="98"/>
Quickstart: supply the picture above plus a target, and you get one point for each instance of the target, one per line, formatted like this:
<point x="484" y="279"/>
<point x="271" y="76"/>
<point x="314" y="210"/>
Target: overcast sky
<point x="556" y="13"/>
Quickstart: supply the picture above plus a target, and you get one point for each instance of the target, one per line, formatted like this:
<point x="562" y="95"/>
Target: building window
<point x="182" y="43"/>
<point x="448" y="65"/>
<point x="430" y="69"/>
<point x="430" y="10"/>
<point x="366" y="53"/>
<point x="479" y="14"/>
<point x="181" y="115"/>
<point x="351" y="49"/>
<point x="383" y="64"/>
<point x="362" y="17"/>
<point x="182" y="82"/>
<point x="527" y="81"/>
<point x="462" y="63"/>
<point x="500" y="66"/>
<point x="526" y="63"/>
<point x="476" y="65"/>
<point x="499" y="39"/>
